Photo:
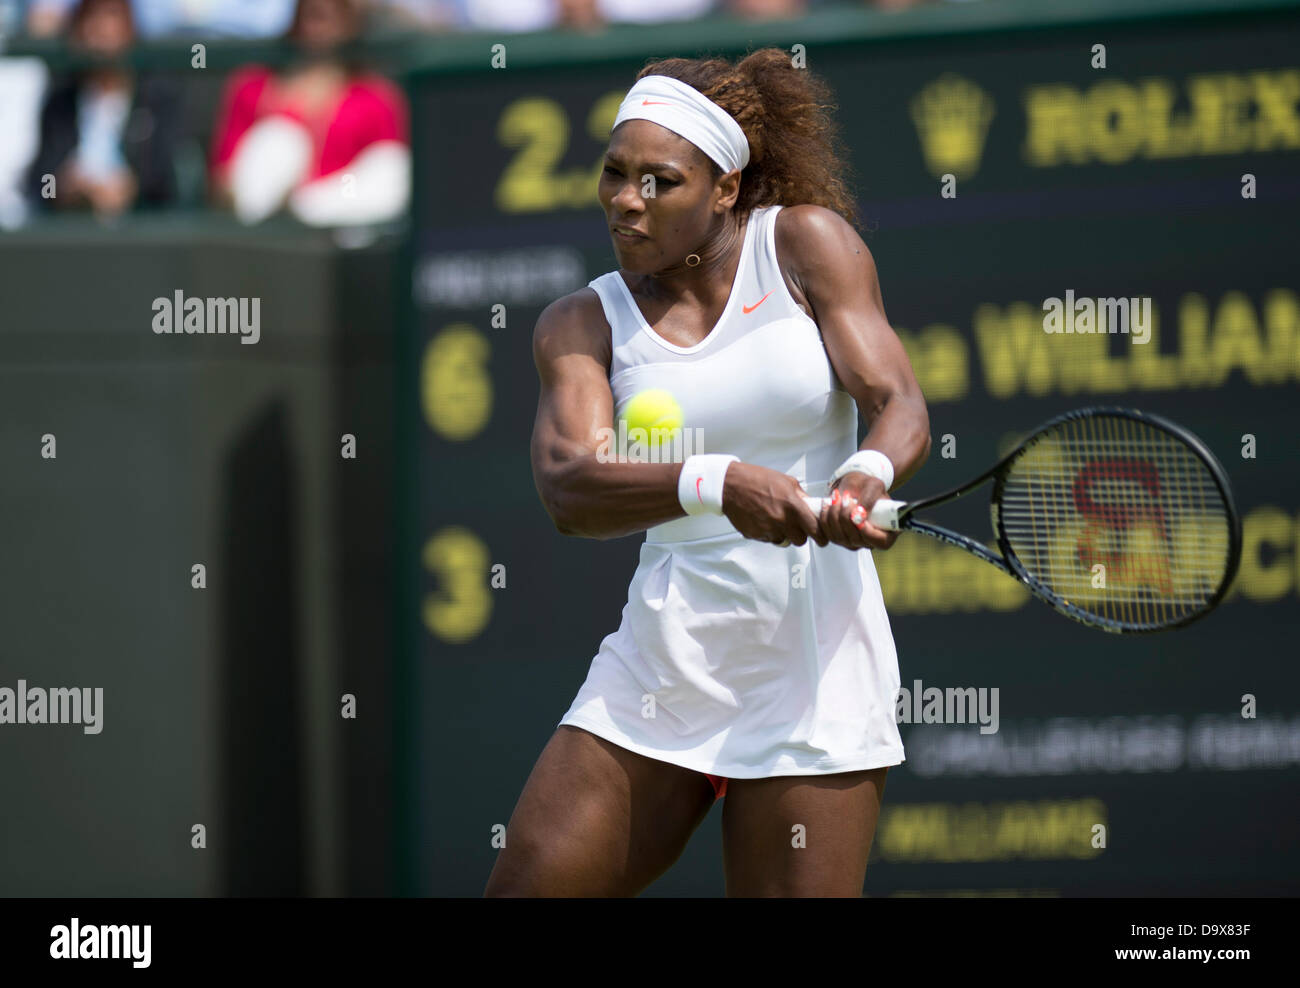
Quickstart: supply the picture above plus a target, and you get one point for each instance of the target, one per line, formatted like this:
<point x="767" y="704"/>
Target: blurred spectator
<point x="581" y="15"/>
<point x="197" y="18"/>
<point x="512" y="16"/>
<point x="420" y="15"/>
<point x="767" y="10"/>
<point x="47" y="18"/>
<point x="515" y="16"/>
<point x="321" y="136"/>
<point x="106" y="137"/>
<point x="653" y="11"/>
<point x="22" y="87"/>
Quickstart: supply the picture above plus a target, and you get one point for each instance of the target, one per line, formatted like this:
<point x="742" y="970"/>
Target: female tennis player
<point x="754" y="658"/>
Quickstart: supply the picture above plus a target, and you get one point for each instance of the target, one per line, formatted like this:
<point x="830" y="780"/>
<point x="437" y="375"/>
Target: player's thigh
<point x="596" y="819"/>
<point x="806" y="835"/>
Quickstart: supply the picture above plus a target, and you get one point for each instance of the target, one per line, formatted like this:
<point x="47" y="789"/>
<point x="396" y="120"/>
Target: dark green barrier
<point x="221" y="703"/>
<point x="1123" y="181"/>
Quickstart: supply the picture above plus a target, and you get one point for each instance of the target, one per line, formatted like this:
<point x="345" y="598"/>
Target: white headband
<point x="690" y="114"/>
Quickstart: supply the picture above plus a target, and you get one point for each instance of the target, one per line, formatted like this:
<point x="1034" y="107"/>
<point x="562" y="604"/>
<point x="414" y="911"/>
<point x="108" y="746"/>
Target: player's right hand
<point x="848" y="510"/>
<point x="769" y="506"/>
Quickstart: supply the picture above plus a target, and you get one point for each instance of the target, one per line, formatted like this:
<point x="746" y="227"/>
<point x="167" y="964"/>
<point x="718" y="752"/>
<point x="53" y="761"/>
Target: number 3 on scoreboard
<point x="532" y="182"/>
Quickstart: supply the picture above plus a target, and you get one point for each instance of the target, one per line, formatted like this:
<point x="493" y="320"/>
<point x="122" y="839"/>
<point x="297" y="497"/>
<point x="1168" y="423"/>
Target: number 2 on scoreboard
<point x="532" y="182"/>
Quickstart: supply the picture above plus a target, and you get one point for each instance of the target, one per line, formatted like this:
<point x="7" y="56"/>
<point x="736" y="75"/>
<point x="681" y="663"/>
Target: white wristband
<point x="699" y="486"/>
<point x="869" y="461"/>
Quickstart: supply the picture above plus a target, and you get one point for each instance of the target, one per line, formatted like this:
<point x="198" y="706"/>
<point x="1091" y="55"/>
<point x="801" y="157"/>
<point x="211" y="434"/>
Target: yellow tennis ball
<point x="653" y="409"/>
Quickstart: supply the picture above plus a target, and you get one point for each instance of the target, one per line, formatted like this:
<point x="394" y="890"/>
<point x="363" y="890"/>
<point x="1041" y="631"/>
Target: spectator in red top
<point x="321" y="136"/>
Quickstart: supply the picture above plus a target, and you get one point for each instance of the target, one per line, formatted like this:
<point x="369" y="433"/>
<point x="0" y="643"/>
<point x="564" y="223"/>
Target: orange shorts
<point x="719" y="785"/>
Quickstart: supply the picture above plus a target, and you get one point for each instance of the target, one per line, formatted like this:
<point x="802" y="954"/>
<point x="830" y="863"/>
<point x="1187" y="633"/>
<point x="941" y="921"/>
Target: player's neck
<point x="719" y="258"/>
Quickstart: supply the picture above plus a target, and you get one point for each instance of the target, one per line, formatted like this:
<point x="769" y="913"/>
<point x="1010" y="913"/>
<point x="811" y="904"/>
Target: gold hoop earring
<point x="692" y="263"/>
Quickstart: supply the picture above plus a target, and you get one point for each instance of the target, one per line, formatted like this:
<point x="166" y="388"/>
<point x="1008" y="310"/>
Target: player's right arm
<point x="583" y="495"/>
<point x="586" y="487"/>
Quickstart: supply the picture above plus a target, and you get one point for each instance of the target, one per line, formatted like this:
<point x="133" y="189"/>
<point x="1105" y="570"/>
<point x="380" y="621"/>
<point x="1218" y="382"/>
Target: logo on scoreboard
<point x="952" y="117"/>
<point x="1114" y="121"/>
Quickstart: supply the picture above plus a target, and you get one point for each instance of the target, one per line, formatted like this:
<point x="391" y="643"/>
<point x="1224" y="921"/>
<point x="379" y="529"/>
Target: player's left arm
<point x="837" y="275"/>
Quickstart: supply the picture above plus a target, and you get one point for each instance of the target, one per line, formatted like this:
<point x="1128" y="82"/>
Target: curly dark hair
<point x="795" y="151"/>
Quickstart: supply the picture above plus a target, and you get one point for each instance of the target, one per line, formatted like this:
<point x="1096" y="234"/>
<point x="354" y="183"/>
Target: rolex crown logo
<point x="952" y="118"/>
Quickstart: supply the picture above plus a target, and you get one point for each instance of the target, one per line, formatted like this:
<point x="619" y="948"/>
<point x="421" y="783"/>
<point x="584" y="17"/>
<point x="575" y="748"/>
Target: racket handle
<point x="884" y="513"/>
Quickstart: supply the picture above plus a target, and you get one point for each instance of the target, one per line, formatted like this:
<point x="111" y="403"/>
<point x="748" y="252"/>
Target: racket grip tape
<point x="884" y="513"/>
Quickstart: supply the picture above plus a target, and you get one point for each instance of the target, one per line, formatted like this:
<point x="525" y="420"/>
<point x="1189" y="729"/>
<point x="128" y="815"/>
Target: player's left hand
<point x="845" y="514"/>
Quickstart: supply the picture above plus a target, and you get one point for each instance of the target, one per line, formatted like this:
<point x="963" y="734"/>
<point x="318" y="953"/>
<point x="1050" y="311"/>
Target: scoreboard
<point x="995" y="169"/>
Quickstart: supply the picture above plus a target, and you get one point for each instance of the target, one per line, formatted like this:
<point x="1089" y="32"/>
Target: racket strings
<point x="1119" y="518"/>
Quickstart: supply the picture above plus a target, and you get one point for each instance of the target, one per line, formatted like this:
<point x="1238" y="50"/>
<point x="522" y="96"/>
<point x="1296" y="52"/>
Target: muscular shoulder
<point x="574" y="324"/>
<point x="809" y="233"/>
<point x="820" y="248"/>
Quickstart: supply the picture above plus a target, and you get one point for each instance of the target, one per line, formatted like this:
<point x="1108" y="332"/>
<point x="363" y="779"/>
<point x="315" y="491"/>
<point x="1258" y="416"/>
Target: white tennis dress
<point x="736" y="657"/>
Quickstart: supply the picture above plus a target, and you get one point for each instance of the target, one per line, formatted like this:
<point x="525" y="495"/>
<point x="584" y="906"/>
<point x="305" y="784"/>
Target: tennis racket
<point x="1117" y="518"/>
